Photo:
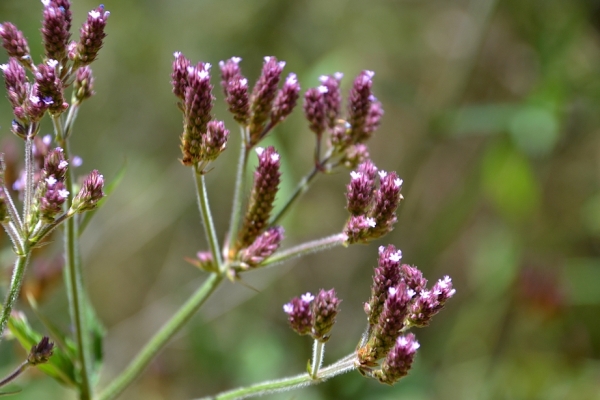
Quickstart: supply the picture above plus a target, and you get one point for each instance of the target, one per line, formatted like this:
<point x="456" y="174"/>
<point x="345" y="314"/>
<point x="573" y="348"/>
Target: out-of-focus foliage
<point x="491" y="118"/>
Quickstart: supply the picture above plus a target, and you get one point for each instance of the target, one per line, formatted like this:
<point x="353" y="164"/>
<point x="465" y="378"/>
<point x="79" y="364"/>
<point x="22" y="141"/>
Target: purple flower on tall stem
<point x="286" y="99"/>
<point x="325" y="309"/>
<point x="332" y="97"/>
<point x="359" y="104"/>
<point x="49" y="86"/>
<point x="90" y="194"/>
<point x="398" y="361"/>
<point x="17" y="85"/>
<point x="361" y="189"/>
<point x="314" y="109"/>
<point x="179" y="75"/>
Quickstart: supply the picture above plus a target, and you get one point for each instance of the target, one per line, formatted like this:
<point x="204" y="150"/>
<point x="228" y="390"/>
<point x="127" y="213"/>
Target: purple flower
<point x="90" y="194"/>
<point x="237" y="99"/>
<point x="361" y="189"/>
<point x="83" y="86"/>
<point x="41" y="352"/>
<point x="314" y="109"/>
<point x="325" y="309"/>
<point x="230" y="71"/>
<point x="387" y="275"/>
<point x="430" y="302"/>
<point x="359" y="104"/>
<point x="262" y="197"/>
<point x="55" y="29"/>
<point x="179" y="75"/>
<point x="17" y="85"/>
<point x="55" y="164"/>
<point x="49" y="86"/>
<point x="286" y="99"/>
<point x="214" y="141"/>
<point x="263" y="247"/>
<point x="387" y="199"/>
<point x="263" y="94"/>
<point x="332" y="97"/>
<point x="300" y="314"/>
<point x="15" y="44"/>
<point x="91" y="36"/>
<point x="398" y="361"/>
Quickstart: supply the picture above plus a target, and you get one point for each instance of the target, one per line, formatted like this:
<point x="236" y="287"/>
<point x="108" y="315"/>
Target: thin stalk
<point x="15" y="236"/>
<point x="15" y="288"/>
<point x="206" y="215"/>
<point x="10" y="204"/>
<point x="240" y="183"/>
<point x="161" y="338"/>
<point x="286" y="384"/>
<point x="13" y="375"/>
<point x="38" y="235"/>
<point x="28" y="201"/>
<point x="71" y="116"/>
<point x="76" y="290"/>
<point x="317" y="358"/>
<point x="306" y="248"/>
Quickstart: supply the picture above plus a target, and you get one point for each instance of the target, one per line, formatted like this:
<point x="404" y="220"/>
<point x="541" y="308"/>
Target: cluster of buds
<point x="322" y="109"/>
<point x="314" y="316"/>
<point x="372" y="209"/>
<point x="267" y="105"/>
<point x="51" y="192"/>
<point x="65" y="62"/>
<point x="399" y="300"/>
<point x="203" y="138"/>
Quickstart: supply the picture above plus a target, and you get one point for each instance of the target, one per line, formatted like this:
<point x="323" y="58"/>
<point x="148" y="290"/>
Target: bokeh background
<point x="491" y="117"/>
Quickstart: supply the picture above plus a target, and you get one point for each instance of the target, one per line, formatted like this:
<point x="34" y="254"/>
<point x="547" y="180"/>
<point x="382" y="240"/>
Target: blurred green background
<point x="491" y="118"/>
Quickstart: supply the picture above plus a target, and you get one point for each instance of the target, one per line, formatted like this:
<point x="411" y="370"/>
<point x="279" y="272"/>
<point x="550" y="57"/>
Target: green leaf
<point x="59" y="367"/>
<point x="108" y="190"/>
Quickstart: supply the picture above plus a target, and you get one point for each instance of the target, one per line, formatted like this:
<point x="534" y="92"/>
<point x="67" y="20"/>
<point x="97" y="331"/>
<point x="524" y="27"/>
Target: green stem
<point x="306" y="248"/>
<point x="15" y="288"/>
<point x="286" y="384"/>
<point x="75" y="288"/>
<point x="205" y="214"/>
<point x="161" y="338"/>
<point x="15" y="236"/>
<point x="29" y="186"/>
<point x="317" y="358"/>
<point x="240" y="183"/>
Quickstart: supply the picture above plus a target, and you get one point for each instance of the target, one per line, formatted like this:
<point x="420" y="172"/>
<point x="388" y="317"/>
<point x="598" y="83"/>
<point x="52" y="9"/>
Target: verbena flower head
<point x="55" y="164"/>
<point x="359" y="104"/>
<point x="90" y="194"/>
<point x="332" y="97"/>
<point x="325" y="309"/>
<point x="83" y="86"/>
<point x="41" y="352"/>
<point x="263" y="95"/>
<point x="286" y="99"/>
<point x="179" y="75"/>
<point x="360" y="192"/>
<point x="430" y="302"/>
<point x="15" y="44"/>
<point x="238" y="99"/>
<point x="17" y="86"/>
<point x="53" y="196"/>
<point x="91" y="37"/>
<point x="49" y="86"/>
<point x="230" y="72"/>
<point x="314" y="109"/>
<point x="56" y="23"/>
<point x="398" y="361"/>
<point x="263" y="247"/>
<point x="387" y="274"/>
<point x="264" y="190"/>
<point x="300" y="314"/>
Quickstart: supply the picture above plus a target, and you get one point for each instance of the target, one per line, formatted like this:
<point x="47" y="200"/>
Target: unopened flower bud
<point x="83" y="86"/>
<point x="358" y="228"/>
<point x="237" y="99"/>
<point x="361" y="189"/>
<point x="387" y="199"/>
<point x="230" y="72"/>
<point x="90" y="194"/>
<point x="91" y="36"/>
<point x="325" y="309"/>
<point x="300" y="314"/>
<point x="41" y="352"/>
<point x="359" y="104"/>
<point x="53" y="196"/>
<point x="387" y="274"/>
<point x="355" y="155"/>
<point x="15" y="80"/>
<point x="55" y="164"/>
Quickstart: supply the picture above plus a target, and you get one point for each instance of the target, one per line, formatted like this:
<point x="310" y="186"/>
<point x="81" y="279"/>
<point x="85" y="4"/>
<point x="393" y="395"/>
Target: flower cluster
<point x="372" y="209"/>
<point x="64" y="59"/>
<point x="203" y="138"/>
<point x="314" y="316"/>
<point x="399" y="300"/>
<point x="267" y="105"/>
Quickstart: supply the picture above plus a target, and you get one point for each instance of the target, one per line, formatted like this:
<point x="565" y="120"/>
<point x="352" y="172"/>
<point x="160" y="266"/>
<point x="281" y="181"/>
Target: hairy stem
<point x="15" y="288"/>
<point x="13" y="375"/>
<point x="206" y="215"/>
<point x="286" y="384"/>
<point x="161" y="338"/>
<point x="306" y="248"/>
<point x="317" y="358"/>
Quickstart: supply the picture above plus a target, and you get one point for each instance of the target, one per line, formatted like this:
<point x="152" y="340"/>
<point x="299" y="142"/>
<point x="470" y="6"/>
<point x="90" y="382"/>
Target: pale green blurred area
<point x="491" y="118"/>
